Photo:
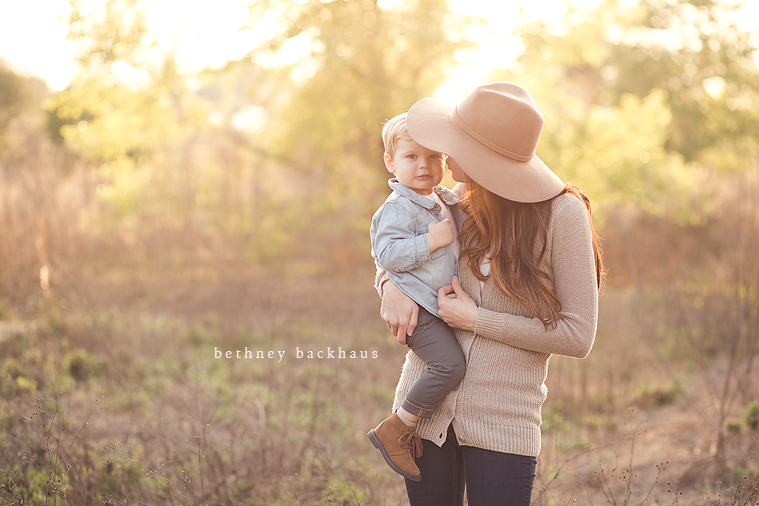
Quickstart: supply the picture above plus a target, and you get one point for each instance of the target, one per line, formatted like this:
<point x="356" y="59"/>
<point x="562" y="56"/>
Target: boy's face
<point x="416" y="167"/>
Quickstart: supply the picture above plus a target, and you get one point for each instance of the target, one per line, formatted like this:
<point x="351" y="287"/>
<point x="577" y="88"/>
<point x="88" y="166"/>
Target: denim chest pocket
<point x="423" y="220"/>
<point x="438" y="253"/>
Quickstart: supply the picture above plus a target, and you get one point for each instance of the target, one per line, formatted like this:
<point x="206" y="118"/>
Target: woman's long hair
<point x="509" y="233"/>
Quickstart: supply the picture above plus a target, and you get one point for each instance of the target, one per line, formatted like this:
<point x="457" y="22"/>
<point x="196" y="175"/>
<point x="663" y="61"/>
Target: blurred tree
<point x="34" y="218"/>
<point x="111" y="41"/>
<point x="115" y="33"/>
<point x="362" y="63"/>
<point x="18" y="94"/>
<point x="228" y="150"/>
<point x="615" y="153"/>
<point x="172" y="151"/>
<point x="696" y="52"/>
<point x="106" y="113"/>
<point x="127" y="110"/>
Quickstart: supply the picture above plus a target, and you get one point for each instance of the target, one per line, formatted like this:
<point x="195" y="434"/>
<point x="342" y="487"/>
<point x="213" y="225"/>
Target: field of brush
<point x="122" y="393"/>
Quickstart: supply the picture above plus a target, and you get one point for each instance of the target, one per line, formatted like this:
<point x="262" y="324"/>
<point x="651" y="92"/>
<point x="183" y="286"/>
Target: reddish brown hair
<point x="510" y="233"/>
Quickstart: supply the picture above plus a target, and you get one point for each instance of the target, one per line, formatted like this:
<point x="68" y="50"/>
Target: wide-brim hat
<point x="492" y="134"/>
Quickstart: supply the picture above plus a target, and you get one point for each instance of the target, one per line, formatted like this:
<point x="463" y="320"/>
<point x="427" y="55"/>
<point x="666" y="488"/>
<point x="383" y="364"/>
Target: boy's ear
<point x="388" y="162"/>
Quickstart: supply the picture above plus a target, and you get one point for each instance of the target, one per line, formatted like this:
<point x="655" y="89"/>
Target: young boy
<point x="414" y="240"/>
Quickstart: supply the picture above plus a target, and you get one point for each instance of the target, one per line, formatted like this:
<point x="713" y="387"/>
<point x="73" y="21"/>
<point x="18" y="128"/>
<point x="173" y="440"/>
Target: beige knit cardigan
<point x="497" y="405"/>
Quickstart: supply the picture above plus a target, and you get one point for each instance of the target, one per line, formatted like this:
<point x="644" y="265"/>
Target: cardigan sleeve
<point x="574" y="279"/>
<point x="379" y="279"/>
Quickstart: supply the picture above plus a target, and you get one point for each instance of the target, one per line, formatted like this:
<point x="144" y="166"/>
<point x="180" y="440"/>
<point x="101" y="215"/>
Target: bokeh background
<point x="179" y="179"/>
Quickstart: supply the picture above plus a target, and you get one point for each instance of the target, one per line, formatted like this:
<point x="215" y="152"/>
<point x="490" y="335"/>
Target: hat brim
<point x="429" y="123"/>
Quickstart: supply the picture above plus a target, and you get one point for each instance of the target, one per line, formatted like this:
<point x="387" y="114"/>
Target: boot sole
<point x="376" y="442"/>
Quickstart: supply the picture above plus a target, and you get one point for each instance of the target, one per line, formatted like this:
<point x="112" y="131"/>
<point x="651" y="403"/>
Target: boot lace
<point x="413" y="442"/>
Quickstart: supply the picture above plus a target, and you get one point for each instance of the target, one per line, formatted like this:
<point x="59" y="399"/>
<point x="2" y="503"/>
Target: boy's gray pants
<point x="433" y="341"/>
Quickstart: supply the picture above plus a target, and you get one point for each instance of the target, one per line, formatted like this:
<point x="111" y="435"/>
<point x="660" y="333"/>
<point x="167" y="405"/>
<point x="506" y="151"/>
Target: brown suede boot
<point x="399" y="445"/>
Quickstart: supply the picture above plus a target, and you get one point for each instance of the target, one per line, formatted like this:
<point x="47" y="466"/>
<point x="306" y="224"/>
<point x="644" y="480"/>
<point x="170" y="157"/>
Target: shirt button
<point x="462" y="440"/>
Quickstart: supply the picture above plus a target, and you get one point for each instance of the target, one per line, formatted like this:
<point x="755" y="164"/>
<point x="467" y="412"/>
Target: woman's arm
<point x="574" y="279"/>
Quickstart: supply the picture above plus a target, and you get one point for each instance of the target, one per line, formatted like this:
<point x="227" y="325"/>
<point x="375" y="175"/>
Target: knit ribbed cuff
<point x="489" y="324"/>
<point x="379" y="280"/>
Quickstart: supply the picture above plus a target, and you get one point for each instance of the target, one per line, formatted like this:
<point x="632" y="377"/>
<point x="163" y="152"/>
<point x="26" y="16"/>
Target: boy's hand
<point x="439" y="234"/>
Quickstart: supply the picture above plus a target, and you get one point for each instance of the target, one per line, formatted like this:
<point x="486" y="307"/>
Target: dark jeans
<point x="491" y="478"/>
<point x="433" y="341"/>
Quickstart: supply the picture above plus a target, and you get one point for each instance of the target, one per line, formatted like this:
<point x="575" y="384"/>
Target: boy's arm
<point x="395" y="245"/>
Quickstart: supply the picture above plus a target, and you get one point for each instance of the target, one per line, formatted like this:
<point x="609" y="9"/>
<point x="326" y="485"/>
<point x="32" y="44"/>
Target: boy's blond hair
<point x="392" y="131"/>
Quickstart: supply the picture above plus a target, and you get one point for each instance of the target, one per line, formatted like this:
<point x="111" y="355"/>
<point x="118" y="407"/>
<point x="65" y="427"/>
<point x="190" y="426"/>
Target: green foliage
<point x="178" y="160"/>
<point x="600" y="421"/>
<point x="615" y="153"/>
<point x="734" y="426"/>
<point x="80" y="365"/>
<point x="114" y="33"/>
<point x="18" y="94"/>
<point x="111" y="124"/>
<point x="643" y="101"/>
<point x="656" y="394"/>
<point x="340" y="492"/>
<point x="695" y="53"/>
<point x="33" y="486"/>
<point x="745" y="472"/>
<point x="210" y="152"/>
<point x="751" y="416"/>
<point x="22" y="370"/>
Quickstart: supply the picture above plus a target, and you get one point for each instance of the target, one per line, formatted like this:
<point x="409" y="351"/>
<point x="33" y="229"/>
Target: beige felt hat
<point x="492" y="134"/>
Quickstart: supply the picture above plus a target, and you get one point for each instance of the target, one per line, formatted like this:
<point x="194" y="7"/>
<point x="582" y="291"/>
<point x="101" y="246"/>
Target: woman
<point x="530" y="269"/>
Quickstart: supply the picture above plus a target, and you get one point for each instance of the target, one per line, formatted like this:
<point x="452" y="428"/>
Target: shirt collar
<point x="445" y="194"/>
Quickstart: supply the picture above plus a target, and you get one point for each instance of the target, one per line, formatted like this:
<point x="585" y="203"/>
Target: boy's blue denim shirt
<point x="399" y="243"/>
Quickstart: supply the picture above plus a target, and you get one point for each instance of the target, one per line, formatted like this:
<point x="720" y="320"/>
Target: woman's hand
<point x="399" y="312"/>
<point x="456" y="307"/>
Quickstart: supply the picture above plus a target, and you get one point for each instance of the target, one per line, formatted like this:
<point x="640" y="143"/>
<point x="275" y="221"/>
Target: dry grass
<point x="176" y="424"/>
<point x="172" y="424"/>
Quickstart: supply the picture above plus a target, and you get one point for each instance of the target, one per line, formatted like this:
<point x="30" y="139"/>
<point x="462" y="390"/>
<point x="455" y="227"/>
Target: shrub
<point x="752" y="415"/>
<point x="657" y="394"/>
<point x="745" y="472"/>
<point x="80" y="365"/>
<point x="734" y="426"/>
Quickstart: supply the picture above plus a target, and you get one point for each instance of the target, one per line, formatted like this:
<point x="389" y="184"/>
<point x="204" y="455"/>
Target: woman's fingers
<point x="399" y="312"/>
<point x="400" y="329"/>
<point x="413" y="320"/>
<point x="456" y="307"/>
<point x="456" y="286"/>
<point x="405" y="327"/>
<point x="451" y="291"/>
<point x="445" y="292"/>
